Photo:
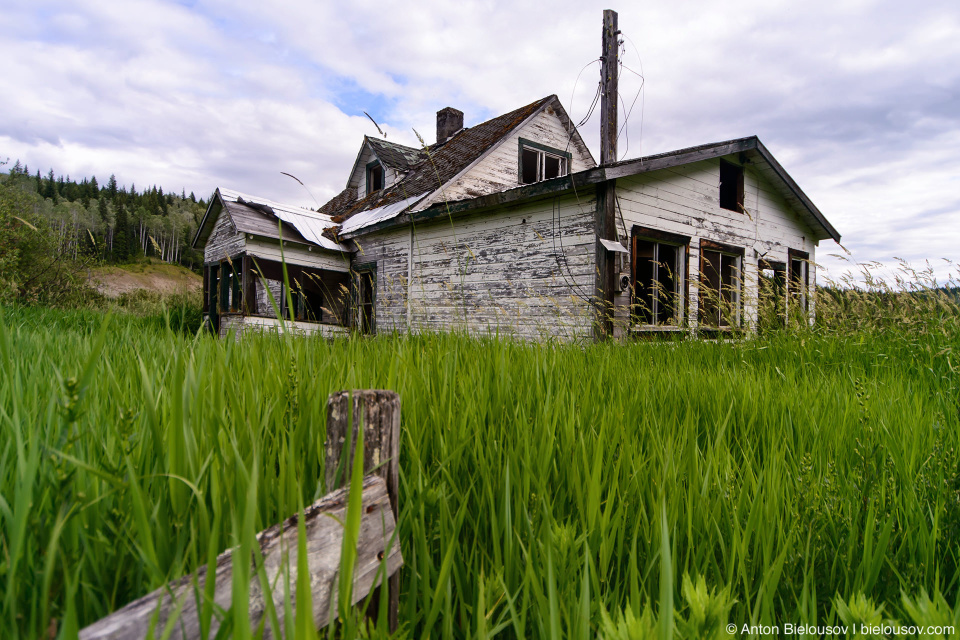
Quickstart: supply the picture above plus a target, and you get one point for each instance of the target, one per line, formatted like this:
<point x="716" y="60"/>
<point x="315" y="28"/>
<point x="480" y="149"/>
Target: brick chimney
<point x="449" y="121"/>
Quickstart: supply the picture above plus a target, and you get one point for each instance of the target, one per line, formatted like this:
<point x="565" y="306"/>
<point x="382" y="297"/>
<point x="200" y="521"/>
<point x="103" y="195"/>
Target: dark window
<point x="731" y="186"/>
<point x="307" y="297"/>
<point x="529" y="164"/>
<point x="366" y="293"/>
<point x="772" y="281"/>
<point x="374" y="177"/>
<point x="798" y="280"/>
<point x="720" y="285"/>
<point x="658" y="282"/>
<point x="539" y="162"/>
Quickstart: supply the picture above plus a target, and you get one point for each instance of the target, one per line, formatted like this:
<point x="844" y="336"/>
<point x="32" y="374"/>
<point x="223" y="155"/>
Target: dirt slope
<point x="159" y="277"/>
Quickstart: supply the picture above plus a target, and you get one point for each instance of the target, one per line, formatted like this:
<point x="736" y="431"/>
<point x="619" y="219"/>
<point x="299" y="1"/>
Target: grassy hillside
<point x="153" y="276"/>
<point x="622" y="491"/>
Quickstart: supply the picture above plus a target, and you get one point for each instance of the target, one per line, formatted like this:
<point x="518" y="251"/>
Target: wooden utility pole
<point x="605" y="217"/>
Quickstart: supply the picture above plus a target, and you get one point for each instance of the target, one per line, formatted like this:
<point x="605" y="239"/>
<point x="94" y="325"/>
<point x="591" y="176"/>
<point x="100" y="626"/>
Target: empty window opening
<point x="374" y="177"/>
<point x="772" y="294"/>
<point x="539" y="162"/>
<point x="365" y="300"/>
<point x="731" y="186"/>
<point x="798" y="280"/>
<point x="658" y="279"/>
<point x="720" y="287"/>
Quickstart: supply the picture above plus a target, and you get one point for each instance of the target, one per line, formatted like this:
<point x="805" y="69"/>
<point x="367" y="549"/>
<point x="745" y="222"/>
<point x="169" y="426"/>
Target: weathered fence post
<point x="179" y="603"/>
<point x="379" y="412"/>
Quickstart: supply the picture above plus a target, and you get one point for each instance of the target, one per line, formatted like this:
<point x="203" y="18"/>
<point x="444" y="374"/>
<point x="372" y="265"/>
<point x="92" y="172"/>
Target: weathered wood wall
<point x="686" y="200"/>
<point x="224" y="240"/>
<point x="248" y="324"/>
<point x="315" y="257"/>
<point x="509" y="270"/>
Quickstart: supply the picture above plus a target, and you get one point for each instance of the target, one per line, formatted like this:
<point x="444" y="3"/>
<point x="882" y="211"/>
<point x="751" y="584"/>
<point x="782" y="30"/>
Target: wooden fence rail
<point x="377" y="545"/>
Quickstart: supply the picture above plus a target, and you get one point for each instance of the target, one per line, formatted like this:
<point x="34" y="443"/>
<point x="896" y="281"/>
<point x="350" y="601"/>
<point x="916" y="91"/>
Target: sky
<point x="858" y="100"/>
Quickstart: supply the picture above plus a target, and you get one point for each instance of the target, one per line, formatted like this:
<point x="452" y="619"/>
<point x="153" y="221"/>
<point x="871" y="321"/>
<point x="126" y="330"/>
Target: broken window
<point x="365" y="298"/>
<point x="374" y="176"/>
<point x="798" y="280"/>
<point x="720" y="285"/>
<point x="539" y="162"/>
<point x="659" y="271"/>
<point x="731" y="186"/>
<point x="772" y="294"/>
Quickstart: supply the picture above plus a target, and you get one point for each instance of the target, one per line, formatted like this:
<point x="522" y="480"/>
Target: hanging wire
<point x="640" y="91"/>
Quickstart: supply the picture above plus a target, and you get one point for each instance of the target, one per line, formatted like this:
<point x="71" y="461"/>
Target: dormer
<point x="380" y="164"/>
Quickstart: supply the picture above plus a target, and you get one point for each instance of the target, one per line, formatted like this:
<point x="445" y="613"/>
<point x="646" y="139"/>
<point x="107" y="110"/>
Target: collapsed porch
<point x="248" y="292"/>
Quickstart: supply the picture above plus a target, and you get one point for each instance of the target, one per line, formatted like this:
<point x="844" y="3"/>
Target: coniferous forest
<point x="53" y="227"/>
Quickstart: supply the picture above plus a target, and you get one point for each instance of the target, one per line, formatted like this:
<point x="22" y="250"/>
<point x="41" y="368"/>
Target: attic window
<point x="374" y="176"/>
<point x="731" y="186"/>
<point x="539" y="162"/>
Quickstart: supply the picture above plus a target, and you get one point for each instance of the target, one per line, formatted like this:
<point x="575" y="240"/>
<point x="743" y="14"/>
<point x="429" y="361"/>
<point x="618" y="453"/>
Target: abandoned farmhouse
<point x="493" y="228"/>
<point x="512" y="226"/>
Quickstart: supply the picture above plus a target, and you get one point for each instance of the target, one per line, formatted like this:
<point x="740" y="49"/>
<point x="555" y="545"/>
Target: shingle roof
<point x="440" y="163"/>
<point x="396" y="156"/>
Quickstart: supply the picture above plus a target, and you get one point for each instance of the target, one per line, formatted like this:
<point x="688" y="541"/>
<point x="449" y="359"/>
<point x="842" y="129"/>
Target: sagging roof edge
<point x="206" y="215"/>
<point x="217" y="201"/>
<point x="596" y="175"/>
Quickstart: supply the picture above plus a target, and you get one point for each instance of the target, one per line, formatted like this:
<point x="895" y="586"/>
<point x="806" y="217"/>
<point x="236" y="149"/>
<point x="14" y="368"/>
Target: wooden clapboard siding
<point x="224" y="241"/>
<point x="495" y="271"/>
<point x="247" y="324"/>
<point x="497" y="170"/>
<point x="315" y="257"/>
<point x="685" y="200"/>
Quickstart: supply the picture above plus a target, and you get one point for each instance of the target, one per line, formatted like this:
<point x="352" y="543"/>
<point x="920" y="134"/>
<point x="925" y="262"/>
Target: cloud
<point x="860" y="100"/>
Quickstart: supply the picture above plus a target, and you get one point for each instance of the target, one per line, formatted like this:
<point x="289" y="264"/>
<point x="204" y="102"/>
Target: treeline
<point x="109" y="223"/>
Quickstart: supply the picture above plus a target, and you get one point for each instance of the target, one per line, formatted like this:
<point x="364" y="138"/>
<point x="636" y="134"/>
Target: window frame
<point x="721" y="250"/>
<point x="360" y="271"/>
<point x="542" y="151"/>
<point x="726" y="166"/>
<point x="798" y="288"/>
<point x="682" y="276"/>
<point x="778" y="289"/>
<point x="371" y="166"/>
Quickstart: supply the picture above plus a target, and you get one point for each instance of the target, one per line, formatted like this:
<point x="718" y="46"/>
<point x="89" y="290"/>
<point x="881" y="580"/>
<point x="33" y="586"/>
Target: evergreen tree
<point x="50" y="186"/>
<point x="121" y="236"/>
<point x="112" y="187"/>
<point x="94" y="188"/>
<point x="102" y="209"/>
<point x="39" y="183"/>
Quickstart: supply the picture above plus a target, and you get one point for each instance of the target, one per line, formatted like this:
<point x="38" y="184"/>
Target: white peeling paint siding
<point x="298" y="254"/>
<point x="686" y="200"/>
<point x="224" y="241"/>
<point x="508" y="271"/>
<point x="247" y="324"/>
<point x="498" y="170"/>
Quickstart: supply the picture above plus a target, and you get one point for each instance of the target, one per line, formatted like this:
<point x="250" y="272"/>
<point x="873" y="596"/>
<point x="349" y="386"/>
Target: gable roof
<point x="759" y="158"/>
<point x="442" y="162"/>
<point x="752" y="149"/>
<point x="265" y="218"/>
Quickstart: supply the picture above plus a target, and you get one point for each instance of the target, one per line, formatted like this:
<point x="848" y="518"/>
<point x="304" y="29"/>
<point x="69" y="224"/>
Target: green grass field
<point x="614" y="490"/>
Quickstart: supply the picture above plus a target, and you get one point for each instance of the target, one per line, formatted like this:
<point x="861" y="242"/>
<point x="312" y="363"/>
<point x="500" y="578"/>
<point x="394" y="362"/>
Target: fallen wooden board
<point x="278" y="547"/>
